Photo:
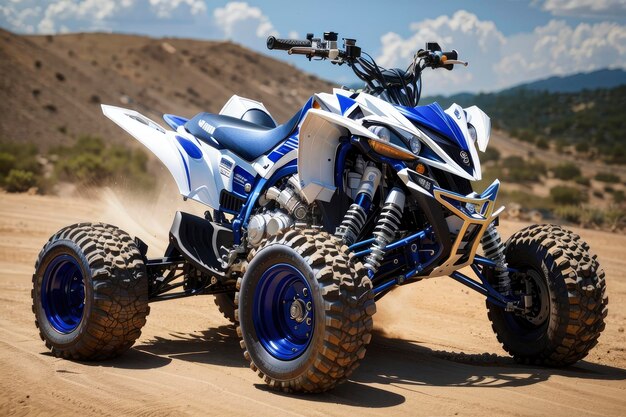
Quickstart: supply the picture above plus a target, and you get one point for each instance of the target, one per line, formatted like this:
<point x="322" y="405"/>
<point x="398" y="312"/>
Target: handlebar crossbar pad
<point x="286" y="44"/>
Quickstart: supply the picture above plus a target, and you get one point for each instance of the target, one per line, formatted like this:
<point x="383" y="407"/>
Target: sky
<point x="507" y="42"/>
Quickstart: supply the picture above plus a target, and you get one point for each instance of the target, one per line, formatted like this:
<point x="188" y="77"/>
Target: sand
<point x="433" y="353"/>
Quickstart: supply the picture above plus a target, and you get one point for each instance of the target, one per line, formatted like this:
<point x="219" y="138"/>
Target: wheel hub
<point x="296" y="311"/>
<point x="63" y="294"/>
<point x="284" y="311"/>
<point x="533" y="288"/>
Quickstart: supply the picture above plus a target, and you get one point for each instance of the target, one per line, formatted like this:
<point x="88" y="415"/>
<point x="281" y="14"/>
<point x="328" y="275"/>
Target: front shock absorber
<point x="385" y="231"/>
<point x="356" y="215"/>
<point x="494" y="250"/>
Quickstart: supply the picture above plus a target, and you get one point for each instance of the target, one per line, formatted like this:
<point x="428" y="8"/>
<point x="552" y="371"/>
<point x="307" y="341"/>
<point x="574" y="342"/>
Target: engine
<point x="283" y="208"/>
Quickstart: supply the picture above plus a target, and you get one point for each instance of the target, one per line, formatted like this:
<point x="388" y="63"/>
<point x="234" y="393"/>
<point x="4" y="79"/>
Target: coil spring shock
<point x="494" y="250"/>
<point x="385" y="231"/>
<point x="355" y="217"/>
<point x="352" y="224"/>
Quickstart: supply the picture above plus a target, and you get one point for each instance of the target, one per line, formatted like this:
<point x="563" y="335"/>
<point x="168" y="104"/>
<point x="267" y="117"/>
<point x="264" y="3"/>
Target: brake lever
<point x="301" y="50"/>
<point x="454" y="61"/>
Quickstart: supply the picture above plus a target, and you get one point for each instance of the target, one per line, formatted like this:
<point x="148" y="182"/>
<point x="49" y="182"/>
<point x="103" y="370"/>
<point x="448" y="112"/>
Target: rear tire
<point x="305" y="312"/>
<point x="569" y="298"/>
<point x="90" y="292"/>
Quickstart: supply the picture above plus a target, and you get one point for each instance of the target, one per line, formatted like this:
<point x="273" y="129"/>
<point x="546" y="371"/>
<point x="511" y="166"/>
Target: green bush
<point x="618" y="196"/>
<point x="566" y="171"/>
<point x="24" y="157"/>
<point x="590" y="216"/>
<point x="582" y="147"/>
<point x="607" y="177"/>
<point x="562" y="194"/>
<point x="542" y="143"/>
<point x="527" y="200"/>
<point x="7" y="163"/>
<point x="18" y="181"/>
<point x="570" y="214"/>
<point x="92" y="161"/>
<point x="519" y="170"/>
<point x="490" y="154"/>
<point x="582" y="181"/>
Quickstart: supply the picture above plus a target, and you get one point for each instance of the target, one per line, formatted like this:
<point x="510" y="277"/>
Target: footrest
<point x="201" y="242"/>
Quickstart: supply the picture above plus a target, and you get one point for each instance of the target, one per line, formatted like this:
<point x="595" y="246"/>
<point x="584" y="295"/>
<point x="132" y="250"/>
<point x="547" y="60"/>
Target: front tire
<point x="569" y="298"/>
<point x="305" y="312"/>
<point x="90" y="292"/>
<point x="225" y="303"/>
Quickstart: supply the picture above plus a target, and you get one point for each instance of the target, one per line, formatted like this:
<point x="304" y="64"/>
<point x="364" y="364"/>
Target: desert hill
<point x="52" y="85"/>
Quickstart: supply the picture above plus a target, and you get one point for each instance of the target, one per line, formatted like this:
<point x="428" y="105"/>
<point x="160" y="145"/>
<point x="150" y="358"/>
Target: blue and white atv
<point x="314" y="220"/>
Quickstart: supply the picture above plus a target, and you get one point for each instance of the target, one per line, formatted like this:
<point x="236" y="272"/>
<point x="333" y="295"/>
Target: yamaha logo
<point x="465" y="157"/>
<point x="206" y="127"/>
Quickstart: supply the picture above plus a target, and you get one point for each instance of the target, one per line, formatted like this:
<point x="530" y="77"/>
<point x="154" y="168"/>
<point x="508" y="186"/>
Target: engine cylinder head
<point x="289" y="198"/>
<point x="278" y="222"/>
<point x="267" y="224"/>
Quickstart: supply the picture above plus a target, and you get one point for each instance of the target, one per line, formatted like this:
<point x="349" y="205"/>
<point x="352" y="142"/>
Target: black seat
<point x="246" y="139"/>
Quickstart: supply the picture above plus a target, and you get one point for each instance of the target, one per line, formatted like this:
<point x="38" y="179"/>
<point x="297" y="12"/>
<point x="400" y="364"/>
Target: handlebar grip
<point x="452" y="55"/>
<point x="286" y="44"/>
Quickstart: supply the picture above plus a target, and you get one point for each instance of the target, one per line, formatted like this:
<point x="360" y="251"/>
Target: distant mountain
<point x="604" y="78"/>
<point x="591" y="119"/>
<point x="52" y="86"/>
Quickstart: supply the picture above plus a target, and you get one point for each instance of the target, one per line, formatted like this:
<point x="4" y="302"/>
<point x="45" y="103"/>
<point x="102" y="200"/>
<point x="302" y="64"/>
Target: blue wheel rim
<point x="284" y="312"/>
<point x="63" y="294"/>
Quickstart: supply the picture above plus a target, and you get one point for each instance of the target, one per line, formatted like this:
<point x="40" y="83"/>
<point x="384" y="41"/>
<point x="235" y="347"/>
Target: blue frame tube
<point x="482" y="261"/>
<point x="483" y="287"/>
<point x="340" y="164"/>
<point x="391" y="246"/>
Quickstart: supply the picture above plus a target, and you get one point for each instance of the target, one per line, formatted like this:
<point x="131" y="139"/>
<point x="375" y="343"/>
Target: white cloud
<point x="584" y="8"/>
<point x="497" y="61"/>
<point x="165" y="8"/>
<point x="22" y="19"/>
<point x="558" y="49"/>
<point x="476" y="41"/>
<point x="243" y="23"/>
<point x="52" y="16"/>
<point x="92" y="13"/>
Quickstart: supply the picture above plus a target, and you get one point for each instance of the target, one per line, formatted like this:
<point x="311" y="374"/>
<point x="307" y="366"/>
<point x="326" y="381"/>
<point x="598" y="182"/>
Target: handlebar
<point x="396" y="86"/>
<point x="439" y="59"/>
<point x="286" y="44"/>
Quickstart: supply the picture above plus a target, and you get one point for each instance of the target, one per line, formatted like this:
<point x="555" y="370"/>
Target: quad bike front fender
<point x="319" y="138"/>
<point x="189" y="161"/>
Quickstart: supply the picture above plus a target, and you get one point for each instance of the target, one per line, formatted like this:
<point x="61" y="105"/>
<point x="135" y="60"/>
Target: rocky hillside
<point x="52" y="86"/>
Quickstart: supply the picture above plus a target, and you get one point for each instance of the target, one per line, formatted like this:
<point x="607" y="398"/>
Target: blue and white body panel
<point x="202" y="171"/>
<point x="192" y="163"/>
<point x="422" y="121"/>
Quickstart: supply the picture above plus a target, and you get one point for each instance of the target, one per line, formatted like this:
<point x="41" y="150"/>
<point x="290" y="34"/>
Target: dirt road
<point x="434" y="353"/>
